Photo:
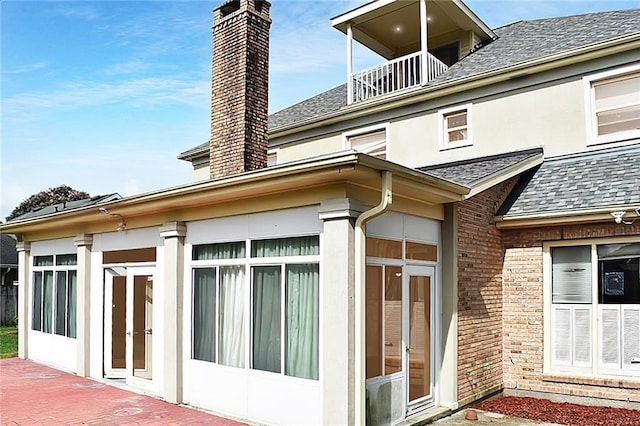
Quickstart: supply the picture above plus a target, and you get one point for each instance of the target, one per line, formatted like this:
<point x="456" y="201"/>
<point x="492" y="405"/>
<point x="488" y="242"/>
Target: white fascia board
<point x="600" y="214"/>
<point x="505" y="174"/>
<point x="476" y="20"/>
<point x="353" y="14"/>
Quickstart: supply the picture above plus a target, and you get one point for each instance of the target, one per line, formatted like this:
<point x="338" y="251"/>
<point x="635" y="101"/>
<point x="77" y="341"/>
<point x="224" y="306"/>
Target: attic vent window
<point x="230" y="7"/>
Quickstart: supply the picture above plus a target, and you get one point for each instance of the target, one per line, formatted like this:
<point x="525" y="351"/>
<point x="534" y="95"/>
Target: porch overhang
<point x="391" y="27"/>
<point x="343" y="174"/>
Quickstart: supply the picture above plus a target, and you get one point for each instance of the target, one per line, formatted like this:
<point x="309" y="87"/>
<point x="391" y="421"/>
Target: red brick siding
<point x="480" y="257"/>
<point x="239" y="94"/>
<point x="524" y="316"/>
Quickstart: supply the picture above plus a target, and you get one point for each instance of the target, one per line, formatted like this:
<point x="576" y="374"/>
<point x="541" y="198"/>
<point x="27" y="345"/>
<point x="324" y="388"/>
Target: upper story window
<point x="455" y="127"/>
<point x="372" y="141"/>
<point x="613" y="105"/>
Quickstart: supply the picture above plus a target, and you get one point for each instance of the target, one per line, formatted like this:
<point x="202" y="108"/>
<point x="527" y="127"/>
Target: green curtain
<point x="204" y="314"/>
<point x="47" y="302"/>
<point x="295" y="246"/>
<point x="71" y="308"/>
<point x="301" y="359"/>
<point x="232" y="315"/>
<point x="266" y="318"/>
<point x="36" y="319"/>
<point x="233" y="250"/>
<point x="61" y="303"/>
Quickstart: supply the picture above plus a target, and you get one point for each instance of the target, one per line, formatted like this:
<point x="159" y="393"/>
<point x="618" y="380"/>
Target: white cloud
<point x="26" y="68"/>
<point x="135" y="92"/>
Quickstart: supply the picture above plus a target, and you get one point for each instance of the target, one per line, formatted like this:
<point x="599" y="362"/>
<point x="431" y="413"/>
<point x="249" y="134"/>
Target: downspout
<point x="360" y="299"/>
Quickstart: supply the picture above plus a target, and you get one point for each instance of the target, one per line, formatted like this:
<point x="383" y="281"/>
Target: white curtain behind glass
<point x="302" y="321"/>
<point x="232" y="315"/>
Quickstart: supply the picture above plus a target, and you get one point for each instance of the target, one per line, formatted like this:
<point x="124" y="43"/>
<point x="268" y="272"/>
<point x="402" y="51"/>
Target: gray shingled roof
<point x="8" y="253"/>
<point x="517" y="43"/>
<point x="322" y="104"/>
<point x="471" y="172"/>
<point x="592" y="180"/>
<point x="70" y="205"/>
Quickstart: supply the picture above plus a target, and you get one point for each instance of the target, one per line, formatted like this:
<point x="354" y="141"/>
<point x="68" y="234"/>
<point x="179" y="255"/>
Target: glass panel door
<point x="142" y="325"/>
<point x="115" y="313"/>
<point x="139" y="324"/>
<point x="419" y="336"/>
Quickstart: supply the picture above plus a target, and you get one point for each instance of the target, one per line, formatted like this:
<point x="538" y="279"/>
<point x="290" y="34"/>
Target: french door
<point x="128" y="324"/>
<point x="418" y="312"/>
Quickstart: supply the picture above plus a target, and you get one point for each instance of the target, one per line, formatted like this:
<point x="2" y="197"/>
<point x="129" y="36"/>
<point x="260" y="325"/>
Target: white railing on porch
<point x="398" y="74"/>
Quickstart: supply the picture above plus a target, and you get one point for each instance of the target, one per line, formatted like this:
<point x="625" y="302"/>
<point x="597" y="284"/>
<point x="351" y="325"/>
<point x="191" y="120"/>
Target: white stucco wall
<point x="310" y="148"/>
<point x="552" y="116"/>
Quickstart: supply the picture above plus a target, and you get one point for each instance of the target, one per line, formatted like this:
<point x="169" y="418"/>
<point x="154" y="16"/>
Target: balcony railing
<point x="398" y="74"/>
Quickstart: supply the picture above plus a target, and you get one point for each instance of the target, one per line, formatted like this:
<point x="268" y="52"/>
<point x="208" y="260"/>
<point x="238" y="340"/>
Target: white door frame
<point x="127" y="373"/>
<point x="423" y="271"/>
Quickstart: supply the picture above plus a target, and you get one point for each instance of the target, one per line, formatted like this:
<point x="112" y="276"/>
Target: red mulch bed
<point x="560" y="412"/>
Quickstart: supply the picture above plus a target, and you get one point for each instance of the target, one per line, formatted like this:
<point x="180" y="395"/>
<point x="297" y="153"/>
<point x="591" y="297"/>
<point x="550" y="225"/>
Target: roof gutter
<point x="601" y="214"/>
<point x="393" y="101"/>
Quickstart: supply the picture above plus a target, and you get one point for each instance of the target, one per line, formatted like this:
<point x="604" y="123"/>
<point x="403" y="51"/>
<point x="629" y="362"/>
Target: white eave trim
<point x="601" y="214"/>
<point x="505" y="174"/>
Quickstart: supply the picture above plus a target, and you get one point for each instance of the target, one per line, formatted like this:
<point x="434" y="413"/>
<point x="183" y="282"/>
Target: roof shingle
<point x="592" y="180"/>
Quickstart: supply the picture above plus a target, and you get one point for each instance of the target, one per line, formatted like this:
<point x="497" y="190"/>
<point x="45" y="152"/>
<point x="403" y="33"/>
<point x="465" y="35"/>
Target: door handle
<point x="148" y="331"/>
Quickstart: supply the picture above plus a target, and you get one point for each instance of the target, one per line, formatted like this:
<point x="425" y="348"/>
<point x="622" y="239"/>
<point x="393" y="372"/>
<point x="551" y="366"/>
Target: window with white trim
<point x="612" y="296"/>
<point x="255" y="304"/>
<point x="613" y="105"/>
<point x="54" y="294"/>
<point x="454" y="126"/>
<point x="372" y="141"/>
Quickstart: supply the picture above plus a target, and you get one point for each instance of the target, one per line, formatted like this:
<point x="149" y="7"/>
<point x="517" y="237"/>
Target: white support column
<point x="423" y="41"/>
<point x="173" y="234"/>
<point x="349" y="64"/>
<point x="337" y="317"/>
<point x="24" y="262"/>
<point x="83" y="301"/>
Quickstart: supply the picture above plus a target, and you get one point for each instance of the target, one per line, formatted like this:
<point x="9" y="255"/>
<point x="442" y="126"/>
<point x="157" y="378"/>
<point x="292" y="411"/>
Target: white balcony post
<point x="423" y="42"/>
<point x="349" y="64"/>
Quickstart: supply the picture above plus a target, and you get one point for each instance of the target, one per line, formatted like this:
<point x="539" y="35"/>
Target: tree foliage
<point x="48" y="197"/>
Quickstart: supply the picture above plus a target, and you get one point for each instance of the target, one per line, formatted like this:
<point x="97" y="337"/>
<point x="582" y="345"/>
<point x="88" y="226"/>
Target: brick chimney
<point x="240" y="87"/>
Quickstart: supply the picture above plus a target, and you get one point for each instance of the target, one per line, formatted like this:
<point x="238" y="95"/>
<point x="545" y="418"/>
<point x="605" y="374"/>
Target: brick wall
<point x="239" y="95"/>
<point x="480" y="259"/>
<point x="524" y="317"/>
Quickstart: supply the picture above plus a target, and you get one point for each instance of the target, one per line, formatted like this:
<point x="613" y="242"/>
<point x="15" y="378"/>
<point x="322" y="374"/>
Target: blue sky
<point x="103" y="95"/>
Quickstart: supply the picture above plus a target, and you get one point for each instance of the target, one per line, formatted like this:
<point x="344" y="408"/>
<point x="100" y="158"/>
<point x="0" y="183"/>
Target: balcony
<point x="418" y="38"/>
<point x="392" y="76"/>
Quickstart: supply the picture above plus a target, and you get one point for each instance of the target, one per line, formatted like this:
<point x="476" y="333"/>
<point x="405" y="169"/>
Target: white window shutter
<point x="581" y="336"/>
<point x="561" y="345"/>
<point x="571" y="274"/>
<point x="610" y="336"/>
<point x="631" y="336"/>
